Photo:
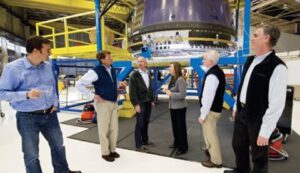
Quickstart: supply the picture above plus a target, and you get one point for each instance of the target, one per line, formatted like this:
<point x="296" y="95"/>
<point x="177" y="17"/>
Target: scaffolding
<point x="69" y="40"/>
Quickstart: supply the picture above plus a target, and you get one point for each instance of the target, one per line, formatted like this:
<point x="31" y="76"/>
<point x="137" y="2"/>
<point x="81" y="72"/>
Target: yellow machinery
<point x="127" y="110"/>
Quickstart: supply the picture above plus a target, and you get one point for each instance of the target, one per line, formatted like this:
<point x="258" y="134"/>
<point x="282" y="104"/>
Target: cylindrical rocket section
<point x="181" y="27"/>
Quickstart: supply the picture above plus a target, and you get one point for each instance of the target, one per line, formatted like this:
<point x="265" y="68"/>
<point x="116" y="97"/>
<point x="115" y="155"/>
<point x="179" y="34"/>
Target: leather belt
<point x="44" y="111"/>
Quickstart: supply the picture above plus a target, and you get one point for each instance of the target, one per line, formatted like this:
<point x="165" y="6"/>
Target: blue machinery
<point x="126" y="66"/>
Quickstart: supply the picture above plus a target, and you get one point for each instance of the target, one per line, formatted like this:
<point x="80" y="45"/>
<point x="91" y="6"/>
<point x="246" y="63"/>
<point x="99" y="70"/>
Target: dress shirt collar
<point x="107" y="67"/>
<point x="28" y="64"/>
<point x="145" y="72"/>
<point x="262" y="57"/>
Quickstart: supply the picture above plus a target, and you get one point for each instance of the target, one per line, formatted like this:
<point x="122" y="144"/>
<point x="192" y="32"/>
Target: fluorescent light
<point x="10" y="45"/>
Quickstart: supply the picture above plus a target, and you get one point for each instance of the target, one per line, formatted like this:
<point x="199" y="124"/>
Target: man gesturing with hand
<point x="28" y="84"/>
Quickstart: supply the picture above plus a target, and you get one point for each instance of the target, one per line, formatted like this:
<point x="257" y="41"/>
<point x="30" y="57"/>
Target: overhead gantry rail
<point x="80" y="41"/>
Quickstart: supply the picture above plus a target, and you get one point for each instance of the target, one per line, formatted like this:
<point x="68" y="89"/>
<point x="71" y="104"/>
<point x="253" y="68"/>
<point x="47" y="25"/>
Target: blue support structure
<point x="98" y="24"/>
<point x="192" y="78"/>
<point x="156" y="83"/>
<point x="55" y="71"/>
<point x="126" y="68"/>
<point x="196" y="64"/>
<point x="247" y="22"/>
<point x="237" y="78"/>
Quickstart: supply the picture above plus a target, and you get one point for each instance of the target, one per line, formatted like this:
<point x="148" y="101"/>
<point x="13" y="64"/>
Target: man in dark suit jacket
<point x="141" y="96"/>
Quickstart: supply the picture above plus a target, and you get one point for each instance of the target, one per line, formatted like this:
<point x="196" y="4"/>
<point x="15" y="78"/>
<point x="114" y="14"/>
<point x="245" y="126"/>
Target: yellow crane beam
<point x="68" y="6"/>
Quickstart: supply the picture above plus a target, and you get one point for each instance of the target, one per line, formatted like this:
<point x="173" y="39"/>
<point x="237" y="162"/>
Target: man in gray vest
<point x="260" y="102"/>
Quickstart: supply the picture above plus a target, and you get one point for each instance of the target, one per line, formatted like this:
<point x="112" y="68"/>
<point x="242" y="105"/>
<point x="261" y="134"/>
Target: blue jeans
<point x="29" y="126"/>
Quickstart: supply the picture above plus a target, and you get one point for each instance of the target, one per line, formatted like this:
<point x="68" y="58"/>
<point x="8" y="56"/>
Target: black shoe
<point x="108" y="158"/>
<point x="231" y="171"/>
<point x="74" y="171"/>
<point x="142" y="149"/>
<point x="172" y="146"/>
<point x="179" y="152"/>
<point x="114" y="154"/>
<point x="149" y="143"/>
<point x="210" y="164"/>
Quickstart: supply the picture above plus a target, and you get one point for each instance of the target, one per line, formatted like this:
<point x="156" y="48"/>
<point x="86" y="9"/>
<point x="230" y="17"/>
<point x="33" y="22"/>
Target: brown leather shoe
<point x="108" y="158"/>
<point x="210" y="164"/>
<point x="114" y="154"/>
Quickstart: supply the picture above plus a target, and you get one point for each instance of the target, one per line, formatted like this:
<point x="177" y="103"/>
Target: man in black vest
<point x="211" y="102"/>
<point x="260" y="102"/>
<point x="104" y="79"/>
<point x="141" y="96"/>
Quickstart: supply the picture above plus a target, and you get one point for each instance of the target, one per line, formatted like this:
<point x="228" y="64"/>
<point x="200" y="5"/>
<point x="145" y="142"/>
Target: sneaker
<point x="108" y="158"/>
<point x="114" y="154"/>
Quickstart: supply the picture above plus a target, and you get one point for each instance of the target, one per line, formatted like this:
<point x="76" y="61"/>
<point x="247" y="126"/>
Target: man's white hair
<point x="212" y="55"/>
<point x="143" y="58"/>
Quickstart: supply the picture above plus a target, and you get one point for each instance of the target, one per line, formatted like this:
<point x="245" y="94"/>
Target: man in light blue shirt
<point x="29" y="85"/>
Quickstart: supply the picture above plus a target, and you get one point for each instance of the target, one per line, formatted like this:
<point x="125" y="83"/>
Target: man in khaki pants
<point x="211" y="100"/>
<point x="103" y="77"/>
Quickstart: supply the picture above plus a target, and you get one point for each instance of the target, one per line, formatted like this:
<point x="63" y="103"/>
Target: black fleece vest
<point x="257" y="96"/>
<point x="105" y="86"/>
<point x="218" y="100"/>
